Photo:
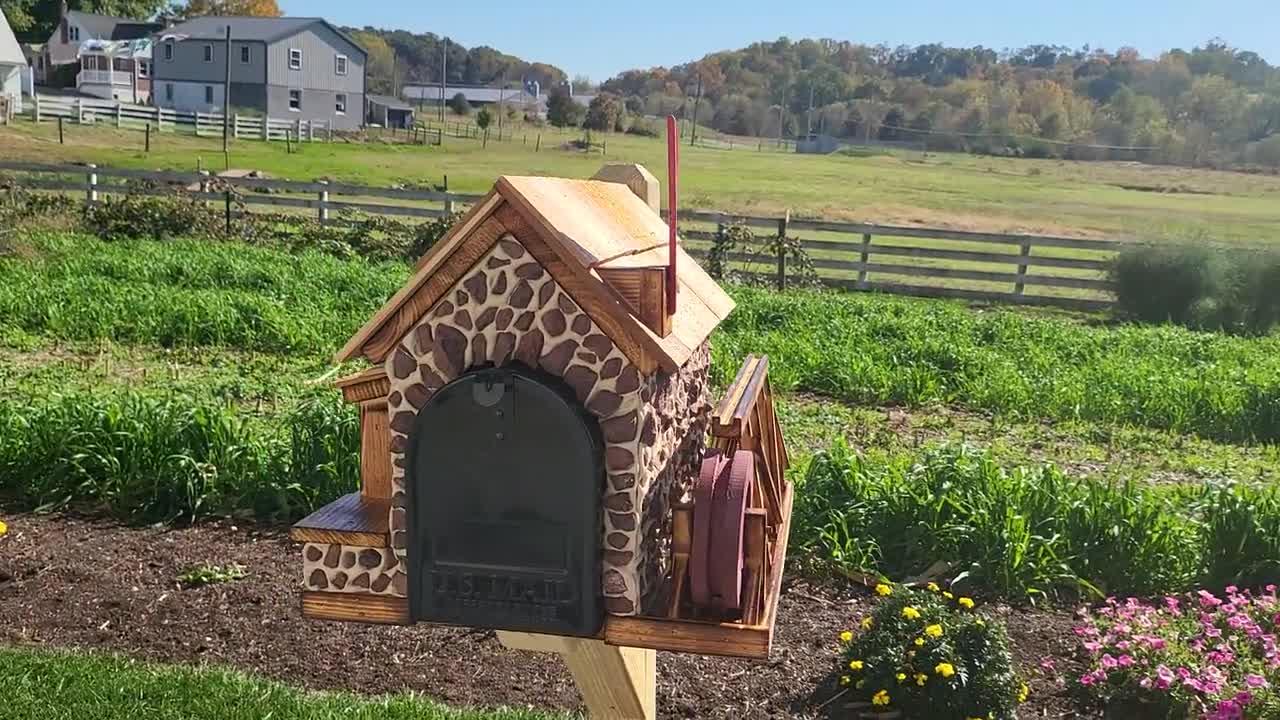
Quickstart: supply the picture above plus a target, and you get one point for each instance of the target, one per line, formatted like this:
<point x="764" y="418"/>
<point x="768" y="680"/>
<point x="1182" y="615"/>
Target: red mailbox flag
<point x="673" y="171"/>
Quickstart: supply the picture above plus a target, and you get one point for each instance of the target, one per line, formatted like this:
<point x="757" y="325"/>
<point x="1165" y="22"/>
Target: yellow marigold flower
<point x="868" y="623"/>
<point x="1023" y="692"/>
<point x="883" y="590"/>
<point x="910" y="613"/>
<point x="947" y="595"/>
<point x="921" y="678"/>
<point x="860" y="684"/>
<point x="966" y="603"/>
<point x="845" y="679"/>
<point x="3" y="528"/>
<point x="880" y="698"/>
<point x="846" y="636"/>
<point x="946" y="670"/>
<point x="933" y="631"/>
<point x="902" y="677"/>
<point x="919" y="641"/>
<point x="932" y="587"/>
<point x="855" y="664"/>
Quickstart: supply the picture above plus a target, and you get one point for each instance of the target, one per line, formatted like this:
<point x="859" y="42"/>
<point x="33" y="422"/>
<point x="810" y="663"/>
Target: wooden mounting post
<point x="619" y="683"/>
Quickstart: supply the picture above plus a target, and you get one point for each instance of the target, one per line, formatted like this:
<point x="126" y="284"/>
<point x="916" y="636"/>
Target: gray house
<point x="284" y="68"/>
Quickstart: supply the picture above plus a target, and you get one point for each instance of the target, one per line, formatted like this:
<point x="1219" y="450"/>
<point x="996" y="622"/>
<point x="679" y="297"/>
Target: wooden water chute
<point x="533" y="429"/>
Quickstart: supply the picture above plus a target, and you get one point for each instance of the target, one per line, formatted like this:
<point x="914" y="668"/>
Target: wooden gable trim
<point x="603" y="304"/>
<point x="376" y="327"/>
<point x="366" y="385"/>
<point x="612" y="319"/>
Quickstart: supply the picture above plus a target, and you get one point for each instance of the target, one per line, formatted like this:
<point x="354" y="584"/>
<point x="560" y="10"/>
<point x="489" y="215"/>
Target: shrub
<point x="1197" y="656"/>
<point x="930" y="655"/>
<point x="1212" y="289"/>
<point x="158" y="217"/>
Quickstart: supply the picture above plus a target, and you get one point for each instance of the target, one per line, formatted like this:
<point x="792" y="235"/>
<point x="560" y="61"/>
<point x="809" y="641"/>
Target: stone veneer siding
<point x="507" y="308"/>
<point x="352" y="569"/>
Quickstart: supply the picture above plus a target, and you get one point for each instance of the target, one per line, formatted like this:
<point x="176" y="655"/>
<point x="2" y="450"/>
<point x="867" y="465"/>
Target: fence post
<point x="1022" y="268"/>
<point x="538" y="145"/>
<point x="159" y="126"/>
<point x="866" y="255"/>
<point x="235" y="126"/>
<point x="117" y="116"/>
<point x="35" y="106"/>
<point x="79" y="107"/>
<point x="148" y="146"/>
<point x="60" y="138"/>
<point x="323" y="212"/>
<point x="782" y="250"/>
<point x="204" y="180"/>
<point x="91" y="185"/>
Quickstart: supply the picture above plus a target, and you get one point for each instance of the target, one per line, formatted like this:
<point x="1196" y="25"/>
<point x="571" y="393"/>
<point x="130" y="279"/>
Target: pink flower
<point x="1271" y="589"/>
<point x="1109" y="662"/>
<point x="1208" y="599"/>
<point x="1255" y="681"/>
<point x="1093" y="646"/>
<point x="1125" y="661"/>
<point x="1164" y="677"/>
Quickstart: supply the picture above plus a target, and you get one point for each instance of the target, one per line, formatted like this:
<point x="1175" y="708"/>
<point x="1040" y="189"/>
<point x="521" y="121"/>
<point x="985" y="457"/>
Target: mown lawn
<point x="948" y="190"/>
<point x="50" y="685"/>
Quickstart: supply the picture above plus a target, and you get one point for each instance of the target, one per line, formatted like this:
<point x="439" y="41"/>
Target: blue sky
<point x="599" y="39"/>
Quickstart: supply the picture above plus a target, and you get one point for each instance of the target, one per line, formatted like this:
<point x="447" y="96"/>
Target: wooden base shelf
<point x="711" y="638"/>
<point x="353" y="607"/>
<point x="350" y="520"/>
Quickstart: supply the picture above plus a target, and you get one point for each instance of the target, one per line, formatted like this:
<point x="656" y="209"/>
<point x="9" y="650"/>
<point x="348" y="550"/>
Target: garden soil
<point x="98" y="586"/>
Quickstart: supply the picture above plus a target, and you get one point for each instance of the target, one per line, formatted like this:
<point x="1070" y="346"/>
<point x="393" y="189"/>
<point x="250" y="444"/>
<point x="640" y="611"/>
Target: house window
<point x="295" y="58"/>
<point x="208" y="53"/>
<point x="340" y="103"/>
<point x="208" y="94"/>
<point x="244" y="54"/>
<point x="74" y="32"/>
<point x="168" y="92"/>
<point x="168" y="51"/>
<point x="144" y="68"/>
<point x="340" y="65"/>
<point x="295" y="100"/>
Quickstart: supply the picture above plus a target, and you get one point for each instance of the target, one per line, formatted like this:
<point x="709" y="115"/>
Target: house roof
<point x="590" y="225"/>
<point x="10" y="51"/>
<point x="262" y="29"/>
<point x="106" y="27"/>
<point x="390" y="103"/>
<point x="472" y="94"/>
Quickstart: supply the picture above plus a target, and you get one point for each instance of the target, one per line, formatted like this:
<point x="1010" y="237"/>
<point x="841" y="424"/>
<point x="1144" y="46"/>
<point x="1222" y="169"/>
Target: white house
<point x="75" y="28"/>
<point x="116" y="70"/>
<point x="12" y="65"/>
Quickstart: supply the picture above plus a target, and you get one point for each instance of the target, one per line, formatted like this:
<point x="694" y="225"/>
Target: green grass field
<point x="945" y="190"/>
<point x="44" y="685"/>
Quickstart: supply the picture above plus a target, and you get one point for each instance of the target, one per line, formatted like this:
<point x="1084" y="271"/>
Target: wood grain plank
<point x="375" y="450"/>
<point x="352" y="519"/>
<point x="689" y="636"/>
<point x="351" y="607"/>
<point x="365" y="385"/>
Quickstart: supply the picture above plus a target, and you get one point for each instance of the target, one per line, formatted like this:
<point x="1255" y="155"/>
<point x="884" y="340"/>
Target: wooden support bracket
<point x="615" y="682"/>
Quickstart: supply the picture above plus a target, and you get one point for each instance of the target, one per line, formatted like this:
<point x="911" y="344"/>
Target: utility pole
<point x="808" y="119"/>
<point x="501" y="108"/>
<point x="697" y="100"/>
<point x="395" y="62"/>
<point x="226" y="104"/>
<point x="444" y="74"/>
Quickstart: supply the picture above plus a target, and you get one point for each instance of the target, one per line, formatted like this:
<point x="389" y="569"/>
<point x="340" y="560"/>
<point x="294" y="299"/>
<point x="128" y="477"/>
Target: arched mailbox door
<point x="506" y="474"/>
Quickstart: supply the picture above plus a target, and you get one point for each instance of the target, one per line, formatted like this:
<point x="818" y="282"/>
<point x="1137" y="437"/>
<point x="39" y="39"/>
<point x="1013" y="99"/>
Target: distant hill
<point x="417" y="59"/>
<point x="1211" y="105"/>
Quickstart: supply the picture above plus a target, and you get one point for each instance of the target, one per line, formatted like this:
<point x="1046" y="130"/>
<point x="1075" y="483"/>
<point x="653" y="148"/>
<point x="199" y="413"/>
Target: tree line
<point x="1212" y="105"/>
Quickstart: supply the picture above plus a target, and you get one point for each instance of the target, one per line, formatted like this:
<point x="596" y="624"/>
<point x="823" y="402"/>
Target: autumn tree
<point x="603" y="112"/>
<point x="380" y="64"/>
<point x="254" y="8"/>
<point x="36" y="19"/>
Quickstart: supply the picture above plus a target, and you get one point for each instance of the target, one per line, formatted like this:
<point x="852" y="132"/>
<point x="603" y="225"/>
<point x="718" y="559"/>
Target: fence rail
<point x="87" y="111"/>
<point x="932" y="262"/>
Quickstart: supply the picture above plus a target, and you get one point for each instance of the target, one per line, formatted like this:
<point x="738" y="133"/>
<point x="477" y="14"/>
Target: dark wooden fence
<point x="932" y="262"/>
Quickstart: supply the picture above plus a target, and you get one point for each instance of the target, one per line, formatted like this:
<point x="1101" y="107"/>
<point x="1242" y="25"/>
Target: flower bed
<point x="1198" y="655"/>
<point x="929" y="654"/>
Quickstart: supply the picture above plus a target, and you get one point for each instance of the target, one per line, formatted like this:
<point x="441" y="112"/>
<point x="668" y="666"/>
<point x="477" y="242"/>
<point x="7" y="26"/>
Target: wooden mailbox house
<point x="534" y="429"/>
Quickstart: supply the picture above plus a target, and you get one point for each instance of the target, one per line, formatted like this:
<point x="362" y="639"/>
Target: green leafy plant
<point x="929" y="654"/>
<point x="158" y="217"/>
<point x="203" y="575"/>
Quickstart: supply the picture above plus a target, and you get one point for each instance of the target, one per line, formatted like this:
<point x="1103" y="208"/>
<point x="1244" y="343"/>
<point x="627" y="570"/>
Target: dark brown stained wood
<point x="607" y="314"/>
<point x="366" y="385"/>
<point x="443" y="277"/>
<point x="373" y="337"/>
<point x="350" y="520"/>
<point x="354" y="607"/>
<point x="375" y="451"/>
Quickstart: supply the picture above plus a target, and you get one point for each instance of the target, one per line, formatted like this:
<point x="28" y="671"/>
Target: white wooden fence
<point x="88" y="111"/>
